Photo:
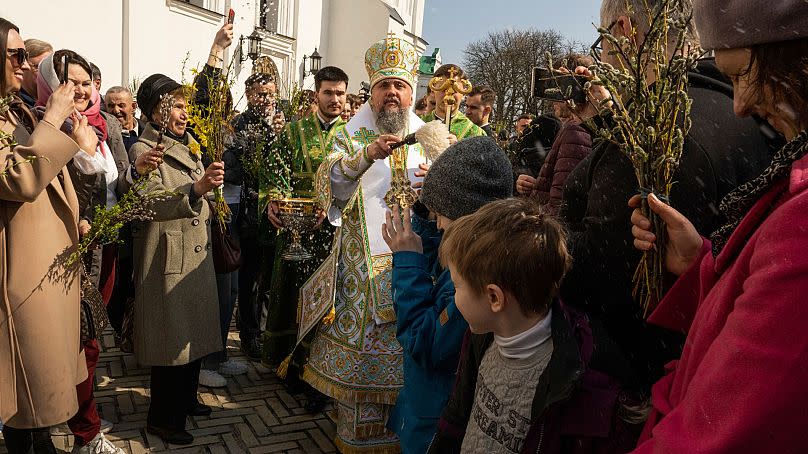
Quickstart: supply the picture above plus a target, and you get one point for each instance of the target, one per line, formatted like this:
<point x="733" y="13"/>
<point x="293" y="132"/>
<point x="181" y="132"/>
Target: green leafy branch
<point x="107" y="222"/>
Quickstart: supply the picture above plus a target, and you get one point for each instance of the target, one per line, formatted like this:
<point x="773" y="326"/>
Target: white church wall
<point x="137" y="38"/>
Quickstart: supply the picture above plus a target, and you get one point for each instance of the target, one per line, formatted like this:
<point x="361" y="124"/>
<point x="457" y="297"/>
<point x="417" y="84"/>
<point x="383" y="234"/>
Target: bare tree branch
<point x="504" y="61"/>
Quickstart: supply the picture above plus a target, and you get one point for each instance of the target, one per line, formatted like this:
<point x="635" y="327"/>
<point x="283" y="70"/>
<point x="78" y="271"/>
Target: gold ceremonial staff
<point x="450" y="85"/>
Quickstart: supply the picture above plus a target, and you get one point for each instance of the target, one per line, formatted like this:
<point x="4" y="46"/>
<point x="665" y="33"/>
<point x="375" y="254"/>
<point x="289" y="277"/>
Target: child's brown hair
<point x="511" y="243"/>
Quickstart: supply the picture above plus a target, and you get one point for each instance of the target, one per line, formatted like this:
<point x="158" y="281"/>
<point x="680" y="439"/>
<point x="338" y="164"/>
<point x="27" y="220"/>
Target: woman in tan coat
<point x="40" y="360"/>
<point x="176" y="304"/>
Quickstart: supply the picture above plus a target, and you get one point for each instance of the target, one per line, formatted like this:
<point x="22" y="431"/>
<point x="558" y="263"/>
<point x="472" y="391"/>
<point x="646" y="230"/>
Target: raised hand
<point x="272" y="213"/>
<point x="423" y="169"/>
<point x="60" y="105"/>
<point x="278" y="123"/>
<point x="397" y="232"/>
<point x="224" y="37"/>
<point x="83" y="134"/>
<point x="149" y="160"/>
<point x="525" y="184"/>
<point x="598" y="96"/>
<point x="380" y="149"/>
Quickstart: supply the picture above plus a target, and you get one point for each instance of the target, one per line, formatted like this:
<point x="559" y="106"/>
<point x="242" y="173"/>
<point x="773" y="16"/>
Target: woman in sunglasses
<point x="40" y="357"/>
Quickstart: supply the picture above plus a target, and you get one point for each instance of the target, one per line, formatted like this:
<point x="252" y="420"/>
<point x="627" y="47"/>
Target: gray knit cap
<point x="466" y="176"/>
<point x="727" y="24"/>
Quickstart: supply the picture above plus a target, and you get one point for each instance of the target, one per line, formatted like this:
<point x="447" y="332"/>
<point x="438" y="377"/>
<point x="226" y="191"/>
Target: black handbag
<point x="94" y="318"/>
<point x="226" y="250"/>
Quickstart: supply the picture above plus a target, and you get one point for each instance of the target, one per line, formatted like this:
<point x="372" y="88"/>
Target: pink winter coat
<point x="572" y="144"/>
<point x="741" y="385"/>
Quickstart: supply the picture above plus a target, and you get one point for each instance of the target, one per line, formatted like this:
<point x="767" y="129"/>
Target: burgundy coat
<point x="740" y="385"/>
<point x="571" y="146"/>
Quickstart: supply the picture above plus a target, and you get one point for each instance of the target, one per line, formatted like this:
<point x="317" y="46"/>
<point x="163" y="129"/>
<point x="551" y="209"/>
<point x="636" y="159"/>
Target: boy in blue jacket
<point x="465" y="177"/>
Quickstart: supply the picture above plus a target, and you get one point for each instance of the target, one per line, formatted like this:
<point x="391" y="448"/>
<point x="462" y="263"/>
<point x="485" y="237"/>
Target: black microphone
<point x="409" y="139"/>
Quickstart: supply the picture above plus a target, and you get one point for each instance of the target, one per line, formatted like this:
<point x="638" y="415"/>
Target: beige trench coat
<point x="176" y="304"/>
<point x="40" y="359"/>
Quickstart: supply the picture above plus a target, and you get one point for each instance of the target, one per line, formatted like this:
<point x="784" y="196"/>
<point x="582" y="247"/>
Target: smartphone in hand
<point x="64" y="69"/>
<point x="231" y="17"/>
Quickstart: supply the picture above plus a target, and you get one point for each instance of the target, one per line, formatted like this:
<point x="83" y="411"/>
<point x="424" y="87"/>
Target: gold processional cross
<point x="400" y="192"/>
<point x="450" y="85"/>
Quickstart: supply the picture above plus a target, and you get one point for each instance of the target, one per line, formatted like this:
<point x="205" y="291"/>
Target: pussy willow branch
<point x="650" y="117"/>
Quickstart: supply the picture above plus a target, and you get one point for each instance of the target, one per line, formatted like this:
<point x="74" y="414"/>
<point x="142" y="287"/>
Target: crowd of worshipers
<point x="511" y="325"/>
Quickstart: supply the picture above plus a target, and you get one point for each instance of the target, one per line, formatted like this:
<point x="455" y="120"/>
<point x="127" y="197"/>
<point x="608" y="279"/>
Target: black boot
<point x="315" y="400"/>
<point x="199" y="409"/>
<point x="25" y="441"/>
<point x="171" y="436"/>
<point x="251" y="348"/>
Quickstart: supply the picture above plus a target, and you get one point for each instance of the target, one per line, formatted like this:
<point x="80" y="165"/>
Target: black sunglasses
<point x="19" y="53"/>
<point x="597" y="48"/>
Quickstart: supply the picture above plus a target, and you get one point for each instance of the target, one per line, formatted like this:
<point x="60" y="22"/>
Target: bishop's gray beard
<point x="393" y="121"/>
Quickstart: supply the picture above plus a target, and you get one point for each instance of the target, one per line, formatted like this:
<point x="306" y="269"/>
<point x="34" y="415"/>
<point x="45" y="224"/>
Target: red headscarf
<point x="94" y="116"/>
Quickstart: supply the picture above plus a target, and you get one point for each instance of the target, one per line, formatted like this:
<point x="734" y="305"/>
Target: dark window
<point x="269" y="15"/>
<point x="217" y="6"/>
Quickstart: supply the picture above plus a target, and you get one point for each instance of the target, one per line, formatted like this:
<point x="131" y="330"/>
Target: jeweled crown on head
<point x="392" y="57"/>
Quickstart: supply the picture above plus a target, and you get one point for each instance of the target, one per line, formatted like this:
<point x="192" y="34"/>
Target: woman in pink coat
<point x="742" y="295"/>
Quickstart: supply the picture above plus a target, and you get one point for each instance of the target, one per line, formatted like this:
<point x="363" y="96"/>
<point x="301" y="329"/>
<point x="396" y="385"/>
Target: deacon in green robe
<point x="309" y="141"/>
<point x="460" y="125"/>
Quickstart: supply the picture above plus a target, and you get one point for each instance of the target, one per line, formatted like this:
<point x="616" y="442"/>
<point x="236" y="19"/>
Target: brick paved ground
<point x="254" y="414"/>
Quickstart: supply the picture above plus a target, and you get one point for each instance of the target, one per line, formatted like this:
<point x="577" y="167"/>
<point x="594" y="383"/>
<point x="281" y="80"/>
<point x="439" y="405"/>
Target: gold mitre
<point x="392" y="57"/>
<point x="265" y="65"/>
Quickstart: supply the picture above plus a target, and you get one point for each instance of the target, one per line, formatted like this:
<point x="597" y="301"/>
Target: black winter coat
<point x="721" y="152"/>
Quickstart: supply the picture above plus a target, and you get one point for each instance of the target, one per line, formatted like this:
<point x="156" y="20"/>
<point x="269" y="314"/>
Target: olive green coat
<point x="176" y="310"/>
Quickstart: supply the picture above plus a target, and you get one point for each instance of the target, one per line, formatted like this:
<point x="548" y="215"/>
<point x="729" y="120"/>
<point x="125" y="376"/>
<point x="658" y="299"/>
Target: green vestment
<point x="310" y="145"/>
<point x="461" y="126"/>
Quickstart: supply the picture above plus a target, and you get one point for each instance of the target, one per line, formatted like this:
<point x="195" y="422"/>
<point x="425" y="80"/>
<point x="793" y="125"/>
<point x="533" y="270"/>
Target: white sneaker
<point x="233" y="367"/>
<point x="64" y="429"/>
<point x="60" y="430"/>
<point x="98" y="445"/>
<point x="211" y="379"/>
<point x="106" y="426"/>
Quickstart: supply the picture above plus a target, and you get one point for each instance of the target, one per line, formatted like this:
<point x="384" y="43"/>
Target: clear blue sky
<point x="470" y="20"/>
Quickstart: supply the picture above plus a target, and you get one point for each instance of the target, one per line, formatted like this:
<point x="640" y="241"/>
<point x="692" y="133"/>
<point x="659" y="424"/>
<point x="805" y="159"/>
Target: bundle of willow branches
<point x="650" y="111"/>
<point x="210" y="119"/>
<point x="268" y="163"/>
<point x="107" y="222"/>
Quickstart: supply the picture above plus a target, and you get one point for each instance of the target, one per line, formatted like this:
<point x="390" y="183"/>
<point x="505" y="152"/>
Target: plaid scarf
<point x="737" y="203"/>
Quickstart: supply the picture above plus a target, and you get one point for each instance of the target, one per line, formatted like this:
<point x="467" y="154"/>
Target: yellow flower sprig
<point x="210" y="121"/>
